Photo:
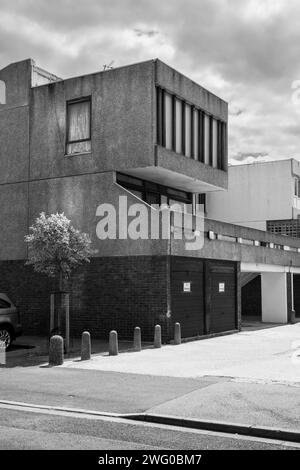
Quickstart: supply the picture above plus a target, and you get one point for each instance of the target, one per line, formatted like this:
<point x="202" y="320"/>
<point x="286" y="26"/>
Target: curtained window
<point x="79" y="126"/>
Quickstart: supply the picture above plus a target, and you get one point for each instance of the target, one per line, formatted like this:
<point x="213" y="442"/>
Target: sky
<point x="245" y="51"/>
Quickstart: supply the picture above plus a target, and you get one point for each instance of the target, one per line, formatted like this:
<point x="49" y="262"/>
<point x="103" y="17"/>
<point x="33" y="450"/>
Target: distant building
<point x="263" y="195"/>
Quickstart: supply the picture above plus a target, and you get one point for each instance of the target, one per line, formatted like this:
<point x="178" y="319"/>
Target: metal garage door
<point x="187" y="296"/>
<point x="223" y="298"/>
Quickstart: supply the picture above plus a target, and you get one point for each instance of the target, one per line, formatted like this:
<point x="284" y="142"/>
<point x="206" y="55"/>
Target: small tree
<point x="56" y="248"/>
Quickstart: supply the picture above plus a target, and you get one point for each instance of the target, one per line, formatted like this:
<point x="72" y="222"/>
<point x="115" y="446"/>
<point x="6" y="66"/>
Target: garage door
<point x="223" y="298"/>
<point x="187" y="297"/>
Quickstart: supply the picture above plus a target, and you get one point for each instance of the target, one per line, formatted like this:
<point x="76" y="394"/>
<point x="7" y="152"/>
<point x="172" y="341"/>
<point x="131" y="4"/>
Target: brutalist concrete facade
<point x="128" y="282"/>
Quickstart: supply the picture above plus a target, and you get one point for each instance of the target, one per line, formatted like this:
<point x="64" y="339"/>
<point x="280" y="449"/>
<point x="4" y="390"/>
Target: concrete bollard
<point x="113" y="343"/>
<point x="56" y="351"/>
<point x="85" y="346"/>
<point x="157" y="336"/>
<point x="177" y="333"/>
<point x="137" y="340"/>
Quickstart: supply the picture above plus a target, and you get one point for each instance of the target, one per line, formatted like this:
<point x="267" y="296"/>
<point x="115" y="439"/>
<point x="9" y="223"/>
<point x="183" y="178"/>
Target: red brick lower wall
<point x="109" y="293"/>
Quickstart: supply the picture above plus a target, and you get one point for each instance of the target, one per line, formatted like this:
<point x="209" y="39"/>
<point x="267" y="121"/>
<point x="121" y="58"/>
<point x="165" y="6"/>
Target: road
<point x="32" y="429"/>
<point x="205" y="398"/>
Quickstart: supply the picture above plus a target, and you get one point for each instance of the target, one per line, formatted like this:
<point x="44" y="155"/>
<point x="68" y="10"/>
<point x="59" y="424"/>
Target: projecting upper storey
<point x="144" y="119"/>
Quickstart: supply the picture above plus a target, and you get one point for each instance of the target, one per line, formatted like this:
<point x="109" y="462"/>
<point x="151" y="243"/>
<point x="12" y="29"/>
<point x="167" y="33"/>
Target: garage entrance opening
<point x="251" y="297"/>
<point x="267" y="292"/>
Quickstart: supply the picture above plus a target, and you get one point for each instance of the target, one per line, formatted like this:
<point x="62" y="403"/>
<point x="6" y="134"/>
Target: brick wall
<point x="109" y="293"/>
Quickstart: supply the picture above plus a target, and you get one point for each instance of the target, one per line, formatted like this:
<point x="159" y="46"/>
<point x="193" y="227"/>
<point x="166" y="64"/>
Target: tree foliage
<point x="55" y="247"/>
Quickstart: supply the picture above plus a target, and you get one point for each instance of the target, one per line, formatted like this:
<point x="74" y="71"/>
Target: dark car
<point x="10" y="324"/>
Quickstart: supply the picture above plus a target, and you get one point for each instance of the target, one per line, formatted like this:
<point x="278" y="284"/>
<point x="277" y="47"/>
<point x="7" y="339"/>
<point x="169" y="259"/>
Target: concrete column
<point x="290" y="296"/>
<point x="274" y="297"/>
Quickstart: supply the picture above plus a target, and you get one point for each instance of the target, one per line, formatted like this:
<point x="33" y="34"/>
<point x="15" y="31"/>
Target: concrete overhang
<point x="171" y="178"/>
<point x="268" y="268"/>
<point x="175" y="170"/>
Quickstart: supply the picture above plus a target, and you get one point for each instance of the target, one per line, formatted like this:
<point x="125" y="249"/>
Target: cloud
<point x="246" y="52"/>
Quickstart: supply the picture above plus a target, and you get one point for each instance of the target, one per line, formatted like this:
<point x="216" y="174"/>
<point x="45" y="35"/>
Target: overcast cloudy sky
<point x="246" y="51"/>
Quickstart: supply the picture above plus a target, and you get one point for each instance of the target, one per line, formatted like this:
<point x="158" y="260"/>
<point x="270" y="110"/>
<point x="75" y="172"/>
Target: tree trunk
<point x="61" y="300"/>
<point x="61" y="281"/>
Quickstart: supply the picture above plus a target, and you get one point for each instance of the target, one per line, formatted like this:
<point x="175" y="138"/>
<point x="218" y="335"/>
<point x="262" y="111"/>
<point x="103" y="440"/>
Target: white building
<point x="262" y="195"/>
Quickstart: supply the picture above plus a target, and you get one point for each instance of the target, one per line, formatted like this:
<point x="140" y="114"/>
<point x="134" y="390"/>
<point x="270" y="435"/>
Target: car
<point x="10" y="323"/>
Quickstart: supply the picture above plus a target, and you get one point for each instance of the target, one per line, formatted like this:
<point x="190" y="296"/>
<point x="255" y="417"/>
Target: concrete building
<point x="148" y="133"/>
<point x="263" y="195"/>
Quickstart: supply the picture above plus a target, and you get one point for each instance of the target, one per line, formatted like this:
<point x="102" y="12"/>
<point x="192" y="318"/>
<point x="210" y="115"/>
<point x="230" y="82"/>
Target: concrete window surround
<point x="177" y="132"/>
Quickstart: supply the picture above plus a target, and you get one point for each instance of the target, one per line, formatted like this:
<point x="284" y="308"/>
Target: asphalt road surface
<point x="53" y="430"/>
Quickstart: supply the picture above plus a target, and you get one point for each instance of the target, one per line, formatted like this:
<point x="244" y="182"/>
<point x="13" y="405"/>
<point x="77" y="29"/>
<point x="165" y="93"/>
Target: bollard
<point x="137" y="341"/>
<point x="157" y="336"/>
<point x="113" y="343"/>
<point x="56" y="351"/>
<point x="85" y="346"/>
<point x="177" y="333"/>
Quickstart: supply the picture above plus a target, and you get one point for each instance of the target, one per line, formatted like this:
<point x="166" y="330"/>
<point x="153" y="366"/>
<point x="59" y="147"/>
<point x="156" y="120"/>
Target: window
<point x="78" y="126"/>
<point x="206" y="139"/>
<point x="195" y="134"/>
<point x="178" y="128"/>
<point x="186" y="129"/>
<point x="215" y="143"/>
<point x="297" y="187"/>
<point x="168" y="121"/>
<point x="4" y="304"/>
<point x="154" y="193"/>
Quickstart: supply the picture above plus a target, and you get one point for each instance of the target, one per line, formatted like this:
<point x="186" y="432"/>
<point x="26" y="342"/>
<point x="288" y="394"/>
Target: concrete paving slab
<point x="267" y="355"/>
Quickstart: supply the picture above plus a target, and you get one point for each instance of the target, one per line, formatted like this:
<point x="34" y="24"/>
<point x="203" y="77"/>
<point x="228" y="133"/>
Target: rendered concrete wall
<point x="14" y="220"/>
<point x="274" y="297"/>
<point x="14" y="122"/>
<point x="14" y="144"/>
<point x="17" y="77"/>
<point x="79" y="197"/>
<point x="122" y="134"/>
<point x="256" y="193"/>
<point x="231" y="250"/>
<point x="190" y="91"/>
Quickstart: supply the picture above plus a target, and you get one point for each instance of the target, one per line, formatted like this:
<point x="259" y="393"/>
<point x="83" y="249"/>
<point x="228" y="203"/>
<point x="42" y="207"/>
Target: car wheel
<point x="5" y="337"/>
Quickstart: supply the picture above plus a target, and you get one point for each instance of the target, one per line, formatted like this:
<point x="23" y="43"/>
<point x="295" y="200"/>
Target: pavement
<point x="270" y="355"/>
<point x="257" y="372"/>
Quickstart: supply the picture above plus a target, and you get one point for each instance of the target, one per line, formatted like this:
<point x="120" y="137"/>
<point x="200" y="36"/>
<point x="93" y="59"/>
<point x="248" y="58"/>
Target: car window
<point x="4" y="304"/>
